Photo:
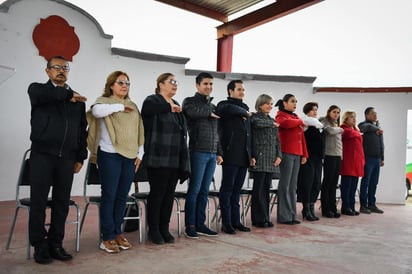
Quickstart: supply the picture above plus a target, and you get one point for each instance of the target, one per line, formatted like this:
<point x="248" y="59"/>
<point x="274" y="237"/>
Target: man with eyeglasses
<point x="58" y="149"/>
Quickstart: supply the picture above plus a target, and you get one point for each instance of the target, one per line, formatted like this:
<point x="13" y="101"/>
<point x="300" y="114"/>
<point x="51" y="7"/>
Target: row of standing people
<point x="117" y="134"/>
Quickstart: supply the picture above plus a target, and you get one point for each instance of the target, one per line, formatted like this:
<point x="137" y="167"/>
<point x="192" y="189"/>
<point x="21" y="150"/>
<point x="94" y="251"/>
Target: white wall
<point x="94" y="62"/>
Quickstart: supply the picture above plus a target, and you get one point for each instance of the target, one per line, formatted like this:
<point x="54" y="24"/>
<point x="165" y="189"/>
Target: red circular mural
<point x="54" y="36"/>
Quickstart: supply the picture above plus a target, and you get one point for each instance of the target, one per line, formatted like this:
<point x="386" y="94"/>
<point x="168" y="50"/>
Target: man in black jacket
<point x="204" y="145"/>
<point x="235" y="137"/>
<point x="374" y="158"/>
<point x="58" y="149"/>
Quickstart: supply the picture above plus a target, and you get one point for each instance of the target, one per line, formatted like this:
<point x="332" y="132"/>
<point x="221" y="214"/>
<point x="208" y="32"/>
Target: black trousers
<point x="261" y="197"/>
<point x="331" y="170"/>
<point x="49" y="171"/>
<point x="309" y="180"/>
<point x="163" y="183"/>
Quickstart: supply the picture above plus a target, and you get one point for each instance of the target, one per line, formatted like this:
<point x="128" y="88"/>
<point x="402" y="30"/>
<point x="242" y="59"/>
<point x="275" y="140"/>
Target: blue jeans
<point x="116" y="175"/>
<point x="348" y="186"/>
<point x="203" y="165"/>
<point x="233" y="178"/>
<point x="370" y="181"/>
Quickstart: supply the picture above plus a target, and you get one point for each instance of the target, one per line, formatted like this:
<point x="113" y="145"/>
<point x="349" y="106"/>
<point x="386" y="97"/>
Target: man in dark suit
<point x="235" y="138"/>
<point x="58" y="136"/>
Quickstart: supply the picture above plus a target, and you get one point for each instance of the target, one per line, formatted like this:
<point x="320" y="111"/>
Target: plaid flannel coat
<point x="165" y="136"/>
<point x="265" y="143"/>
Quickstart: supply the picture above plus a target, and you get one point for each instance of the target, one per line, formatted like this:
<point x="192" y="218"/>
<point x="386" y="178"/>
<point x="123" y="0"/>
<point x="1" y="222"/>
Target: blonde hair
<point x="262" y="100"/>
<point x="346" y="115"/>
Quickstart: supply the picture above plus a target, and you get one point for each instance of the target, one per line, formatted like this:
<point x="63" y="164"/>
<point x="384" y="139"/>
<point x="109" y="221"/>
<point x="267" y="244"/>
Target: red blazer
<point x="353" y="159"/>
<point x="292" y="139"/>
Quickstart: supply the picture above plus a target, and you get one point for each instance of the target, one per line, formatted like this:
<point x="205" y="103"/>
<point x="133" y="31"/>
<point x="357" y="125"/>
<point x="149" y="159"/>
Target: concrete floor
<point x="363" y="244"/>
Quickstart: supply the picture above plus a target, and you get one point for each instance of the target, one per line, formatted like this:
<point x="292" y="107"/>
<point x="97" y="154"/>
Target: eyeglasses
<point x="58" y="67"/>
<point x="122" y="83"/>
<point x="173" y="82"/>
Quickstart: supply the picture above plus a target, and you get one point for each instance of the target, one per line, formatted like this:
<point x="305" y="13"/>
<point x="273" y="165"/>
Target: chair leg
<point x="77" y="227"/>
<point x="140" y="223"/>
<point x="12" y="228"/>
<point x="178" y="216"/>
<point x="84" y="216"/>
<point x="208" y="213"/>
<point x="28" y="237"/>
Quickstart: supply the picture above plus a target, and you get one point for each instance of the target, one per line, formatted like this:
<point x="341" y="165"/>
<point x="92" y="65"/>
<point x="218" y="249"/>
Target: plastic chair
<point x="92" y="179"/>
<point x="24" y="203"/>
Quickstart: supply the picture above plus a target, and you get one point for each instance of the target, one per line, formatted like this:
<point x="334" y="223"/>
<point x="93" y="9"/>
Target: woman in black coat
<point x="166" y="155"/>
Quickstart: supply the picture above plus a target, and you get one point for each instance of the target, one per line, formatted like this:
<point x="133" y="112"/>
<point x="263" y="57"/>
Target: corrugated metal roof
<point x="227" y="7"/>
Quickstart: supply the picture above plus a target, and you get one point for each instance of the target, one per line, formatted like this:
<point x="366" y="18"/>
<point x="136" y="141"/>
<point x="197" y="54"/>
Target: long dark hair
<point x="332" y="107"/>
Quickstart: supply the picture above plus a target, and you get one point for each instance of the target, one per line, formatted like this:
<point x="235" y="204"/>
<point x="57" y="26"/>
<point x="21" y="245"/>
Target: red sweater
<point x="353" y="160"/>
<point x="292" y="139"/>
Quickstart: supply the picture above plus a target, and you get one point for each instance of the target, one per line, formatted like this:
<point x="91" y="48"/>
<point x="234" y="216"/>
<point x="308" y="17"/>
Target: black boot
<point x="312" y="211"/>
<point x="164" y="231"/>
<point x="306" y="214"/>
<point x="155" y="236"/>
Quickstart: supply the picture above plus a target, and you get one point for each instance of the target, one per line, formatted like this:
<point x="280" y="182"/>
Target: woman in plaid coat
<point x="266" y="157"/>
<point x="166" y="155"/>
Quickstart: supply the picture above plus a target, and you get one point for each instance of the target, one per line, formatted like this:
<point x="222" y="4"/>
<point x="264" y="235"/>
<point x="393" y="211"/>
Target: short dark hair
<point x="368" y="109"/>
<point x="55" y="57"/>
<point x="309" y="106"/>
<point x="203" y="75"/>
<point x="232" y="85"/>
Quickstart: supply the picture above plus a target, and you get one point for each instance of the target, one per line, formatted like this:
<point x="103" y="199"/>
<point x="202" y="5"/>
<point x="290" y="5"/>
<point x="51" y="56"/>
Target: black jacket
<point x="234" y="132"/>
<point x="58" y="126"/>
<point x="372" y="143"/>
<point x="315" y="141"/>
<point x="165" y="134"/>
<point x="203" y="129"/>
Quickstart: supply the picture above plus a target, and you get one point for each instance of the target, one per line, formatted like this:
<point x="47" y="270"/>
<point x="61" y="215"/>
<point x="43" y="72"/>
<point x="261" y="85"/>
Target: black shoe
<point x="42" y="255"/>
<point x="336" y="215"/>
<point x="356" y="212"/>
<point x="295" y="222"/>
<point x="228" y="229"/>
<point x="156" y="237"/>
<point x="167" y="237"/>
<point x="241" y="227"/>
<point x="260" y="224"/>
<point x="286" y="223"/>
<point x="329" y="214"/>
<point x="364" y="210"/>
<point x="59" y="253"/>
<point x="375" y="209"/>
<point x="348" y="212"/>
<point x="270" y="224"/>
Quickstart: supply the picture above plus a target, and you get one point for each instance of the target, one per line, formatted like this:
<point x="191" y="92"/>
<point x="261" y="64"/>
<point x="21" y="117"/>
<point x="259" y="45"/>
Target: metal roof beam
<point x="198" y="9"/>
<point x="262" y="16"/>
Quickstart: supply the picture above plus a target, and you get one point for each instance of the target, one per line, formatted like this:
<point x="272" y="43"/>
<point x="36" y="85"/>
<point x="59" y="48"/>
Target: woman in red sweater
<point x="352" y="162"/>
<point x="293" y="146"/>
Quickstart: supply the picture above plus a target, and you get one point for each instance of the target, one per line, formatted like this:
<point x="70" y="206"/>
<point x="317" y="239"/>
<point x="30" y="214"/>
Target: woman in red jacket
<point x="352" y="162"/>
<point x="293" y="147"/>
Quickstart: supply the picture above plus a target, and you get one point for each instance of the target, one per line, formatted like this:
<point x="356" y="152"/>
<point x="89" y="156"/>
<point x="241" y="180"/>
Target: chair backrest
<point x="91" y="179"/>
<point x="23" y="179"/>
<point x="140" y="177"/>
<point x="92" y="174"/>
